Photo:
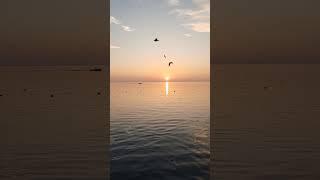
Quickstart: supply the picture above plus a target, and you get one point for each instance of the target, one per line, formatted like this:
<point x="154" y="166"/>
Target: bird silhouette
<point x="156" y="40"/>
<point x="170" y="63"/>
<point x="165" y="56"/>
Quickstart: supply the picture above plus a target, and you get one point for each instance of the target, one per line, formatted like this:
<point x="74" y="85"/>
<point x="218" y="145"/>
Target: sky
<point x="52" y="32"/>
<point x="73" y="32"/>
<point x="183" y="30"/>
<point x="252" y="31"/>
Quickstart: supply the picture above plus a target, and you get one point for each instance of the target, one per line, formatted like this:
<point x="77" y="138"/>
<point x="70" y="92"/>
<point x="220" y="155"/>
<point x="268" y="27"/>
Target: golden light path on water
<point x="167" y="88"/>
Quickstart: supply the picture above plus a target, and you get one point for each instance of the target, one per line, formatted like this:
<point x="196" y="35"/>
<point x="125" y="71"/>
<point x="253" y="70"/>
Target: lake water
<point x="53" y="123"/>
<point x="266" y="122"/>
<point x="160" y="130"/>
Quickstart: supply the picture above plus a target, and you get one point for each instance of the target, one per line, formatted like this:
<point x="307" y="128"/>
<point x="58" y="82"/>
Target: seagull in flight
<point x="170" y="63"/>
<point x="156" y="40"/>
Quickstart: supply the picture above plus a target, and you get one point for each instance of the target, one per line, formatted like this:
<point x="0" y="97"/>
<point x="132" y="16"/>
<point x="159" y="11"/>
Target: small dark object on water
<point x="51" y="95"/>
<point x="1" y="95"/>
<point x="24" y="90"/>
<point x="267" y="88"/>
<point x="95" y="69"/>
<point x="139" y="83"/>
<point x="156" y="40"/>
<point x="98" y="93"/>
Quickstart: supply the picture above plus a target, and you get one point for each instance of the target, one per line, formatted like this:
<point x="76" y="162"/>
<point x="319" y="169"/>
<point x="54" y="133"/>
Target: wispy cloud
<point x="127" y="28"/>
<point x="198" y="27"/>
<point x="188" y="35"/>
<point x="198" y="19"/>
<point x="114" y="47"/>
<point x="173" y="2"/>
<point x="191" y="14"/>
<point x="114" y="20"/>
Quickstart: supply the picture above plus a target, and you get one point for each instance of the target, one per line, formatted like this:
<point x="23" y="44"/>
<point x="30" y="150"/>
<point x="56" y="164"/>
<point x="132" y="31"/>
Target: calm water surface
<point x="266" y="134"/>
<point x="160" y="130"/>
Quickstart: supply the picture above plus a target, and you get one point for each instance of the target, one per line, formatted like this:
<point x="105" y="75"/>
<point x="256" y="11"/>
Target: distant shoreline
<point x="51" y="68"/>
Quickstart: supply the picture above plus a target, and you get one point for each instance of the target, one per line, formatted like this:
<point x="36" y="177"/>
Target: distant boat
<point x="95" y="69"/>
<point x="140" y="83"/>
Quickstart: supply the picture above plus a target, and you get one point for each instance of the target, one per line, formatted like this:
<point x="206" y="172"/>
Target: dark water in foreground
<point x="160" y="130"/>
<point x="52" y="123"/>
<point x="266" y="133"/>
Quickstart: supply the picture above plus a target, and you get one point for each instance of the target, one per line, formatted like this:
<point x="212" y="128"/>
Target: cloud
<point x="173" y="2"/>
<point x="198" y="18"/>
<point x="127" y="28"/>
<point x="200" y="2"/>
<point x="114" y="20"/>
<point x="114" y="47"/>
<point x="198" y="27"/>
<point x="191" y="14"/>
<point x="188" y="35"/>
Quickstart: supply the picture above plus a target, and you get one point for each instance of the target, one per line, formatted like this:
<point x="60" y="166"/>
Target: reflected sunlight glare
<point x="167" y="88"/>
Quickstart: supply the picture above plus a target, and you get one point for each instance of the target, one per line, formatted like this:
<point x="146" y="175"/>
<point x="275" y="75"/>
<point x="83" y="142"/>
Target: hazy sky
<point x="183" y="28"/>
<point x="52" y="32"/>
<point x="72" y="32"/>
<point x="253" y="31"/>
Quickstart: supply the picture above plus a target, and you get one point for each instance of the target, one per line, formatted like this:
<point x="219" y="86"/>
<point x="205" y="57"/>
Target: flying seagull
<point x="165" y="56"/>
<point x="156" y="40"/>
<point x="170" y="63"/>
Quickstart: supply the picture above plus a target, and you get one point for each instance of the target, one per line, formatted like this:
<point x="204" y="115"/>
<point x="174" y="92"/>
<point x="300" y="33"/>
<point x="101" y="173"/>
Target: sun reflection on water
<point x="167" y="88"/>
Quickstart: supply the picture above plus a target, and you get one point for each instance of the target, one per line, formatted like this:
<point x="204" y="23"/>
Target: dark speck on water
<point x="51" y="95"/>
<point x="267" y="88"/>
<point x="95" y="69"/>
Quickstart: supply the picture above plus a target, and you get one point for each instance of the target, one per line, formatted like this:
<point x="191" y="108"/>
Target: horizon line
<point x="164" y="81"/>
